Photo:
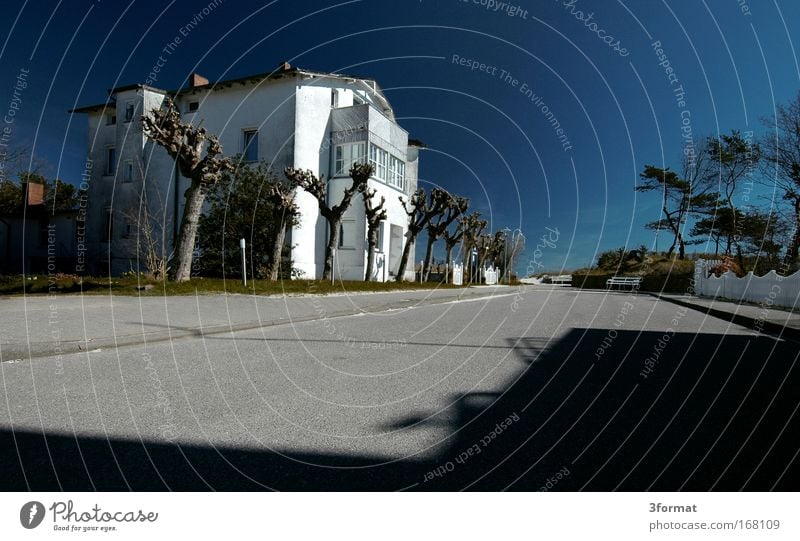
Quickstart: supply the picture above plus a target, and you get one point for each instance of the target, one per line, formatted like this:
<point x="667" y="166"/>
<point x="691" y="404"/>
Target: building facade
<point x="289" y="117"/>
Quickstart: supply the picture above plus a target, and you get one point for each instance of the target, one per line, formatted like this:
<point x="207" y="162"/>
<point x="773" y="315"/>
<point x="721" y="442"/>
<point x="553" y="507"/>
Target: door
<point x="395" y="248"/>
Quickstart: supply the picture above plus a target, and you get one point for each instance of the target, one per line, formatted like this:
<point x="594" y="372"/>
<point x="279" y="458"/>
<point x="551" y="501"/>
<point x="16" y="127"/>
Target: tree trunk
<point x="426" y="269"/>
<point x="333" y="243"/>
<point x="681" y="247"/>
<point x="448" y="263"/>
<point x="404" y="260"/>
<point x="372" y="242"/>
<point x="184" y="244"/>
<point x="277" y="250"/>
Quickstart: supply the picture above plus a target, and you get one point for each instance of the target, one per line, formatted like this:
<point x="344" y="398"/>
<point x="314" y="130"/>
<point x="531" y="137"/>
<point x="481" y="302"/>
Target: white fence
<point x="770" y="289"/>
<point x="490" y="275"/>
<point x="458" y="274"/>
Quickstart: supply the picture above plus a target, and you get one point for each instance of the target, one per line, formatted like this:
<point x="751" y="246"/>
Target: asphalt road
<point x="544" y="389"/>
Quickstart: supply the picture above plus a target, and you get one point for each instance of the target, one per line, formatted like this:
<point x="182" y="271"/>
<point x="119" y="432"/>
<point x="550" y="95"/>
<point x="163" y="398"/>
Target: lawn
<point x="42" y="285"/>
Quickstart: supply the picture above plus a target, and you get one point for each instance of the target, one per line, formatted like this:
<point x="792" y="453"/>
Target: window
<point x="129" y="108"/>
<point x="130" y="230"/>
<point x="111" y="161"/>
<point x="108" y="225"/>
<point x="397" y="173"/>
<point x="387" y="168"/>
<point x="111" y="120"/>
<point x="392" y="171"/>
<point x="128" y="176"/>
<point x="348" y="154"/>
<point x="347" y="234"/>
<point x="193" y="106"/>
<point x="378" y="158"/>
<point x="334" y="98"/>
<point x="381" y="233"/>
<point x="250" y="146"/>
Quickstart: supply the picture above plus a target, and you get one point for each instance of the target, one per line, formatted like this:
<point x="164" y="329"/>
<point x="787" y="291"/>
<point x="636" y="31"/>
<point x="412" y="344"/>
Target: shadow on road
<point x="601" y="409"/>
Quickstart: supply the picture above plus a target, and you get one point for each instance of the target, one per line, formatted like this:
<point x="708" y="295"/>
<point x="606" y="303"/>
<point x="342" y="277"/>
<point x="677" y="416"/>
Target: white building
<point x="289" y="117"/>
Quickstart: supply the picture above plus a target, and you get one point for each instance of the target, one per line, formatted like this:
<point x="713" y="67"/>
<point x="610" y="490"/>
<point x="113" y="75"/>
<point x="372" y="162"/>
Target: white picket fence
<point x="458" y="274"/>
<point x="772" y="289"/>
<point x="490" y="275"/>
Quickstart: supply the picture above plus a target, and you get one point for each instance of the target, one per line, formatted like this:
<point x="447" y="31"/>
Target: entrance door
<point x="395" y="248"/>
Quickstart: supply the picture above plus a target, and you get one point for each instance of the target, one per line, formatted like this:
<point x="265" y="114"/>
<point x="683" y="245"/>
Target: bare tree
<point x="317" y="187"/>
<point x="453" y="206"/>
<point x="375" y="215"/>
<point x="781" y="165"/>
<point x="419" y="212"/>
<point x="198" y="156"/>
<point x="472" y="234"/>
<point x="451" y="239"/>
<point x="282" y="197"/>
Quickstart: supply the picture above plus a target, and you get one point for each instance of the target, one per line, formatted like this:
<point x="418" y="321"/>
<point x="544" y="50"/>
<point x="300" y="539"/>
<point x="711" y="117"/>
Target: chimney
<point x="34" y="193"/>
<point x="284" y="66"/>
<point x="195" y="79"/>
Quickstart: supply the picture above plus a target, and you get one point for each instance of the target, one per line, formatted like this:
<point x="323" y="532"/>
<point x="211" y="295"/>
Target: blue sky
<point x="489" y="130"/>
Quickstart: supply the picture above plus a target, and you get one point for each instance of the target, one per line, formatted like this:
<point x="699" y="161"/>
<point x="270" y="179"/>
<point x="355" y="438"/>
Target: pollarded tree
<point x="198" y="156"/>
<point x="317" y="187"/>
<point x="453" y="237"/>
<point x="419" y="212"/>
<point x="453" y="207"/>
<point x="375" y="215"/>
<point x="472" y="234"/>
<point x="281" y="194"/>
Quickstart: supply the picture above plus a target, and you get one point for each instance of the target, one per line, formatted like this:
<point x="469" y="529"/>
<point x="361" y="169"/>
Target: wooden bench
<point x="622" y="281"/>
<point x="561" y="280"/>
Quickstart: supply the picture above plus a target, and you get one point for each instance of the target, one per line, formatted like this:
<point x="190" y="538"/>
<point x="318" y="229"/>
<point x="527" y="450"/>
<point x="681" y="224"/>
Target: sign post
<point x="473" y="267"/>
<point x="244" y="262"/>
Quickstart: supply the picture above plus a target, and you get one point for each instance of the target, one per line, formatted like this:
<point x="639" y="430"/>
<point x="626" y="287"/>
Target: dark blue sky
<point x="488" y="137"/>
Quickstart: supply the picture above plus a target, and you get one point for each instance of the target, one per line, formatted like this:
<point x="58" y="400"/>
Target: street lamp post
<point x="506" y="231"/>
<point x="514" y="240"/>
<point x="244" y="261"/>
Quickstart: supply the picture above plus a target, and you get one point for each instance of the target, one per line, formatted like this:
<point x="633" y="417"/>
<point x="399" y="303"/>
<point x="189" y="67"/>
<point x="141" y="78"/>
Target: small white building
<point x="289" y="117"/>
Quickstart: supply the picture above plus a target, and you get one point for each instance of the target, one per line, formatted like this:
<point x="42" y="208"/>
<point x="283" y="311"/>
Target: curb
<point x="766" y="326"/>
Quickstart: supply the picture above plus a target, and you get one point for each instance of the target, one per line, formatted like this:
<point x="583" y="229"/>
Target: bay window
<point x="348" y="154"/>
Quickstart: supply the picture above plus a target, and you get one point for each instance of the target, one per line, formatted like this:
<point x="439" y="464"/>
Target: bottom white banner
<point x="400" y="516"/>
